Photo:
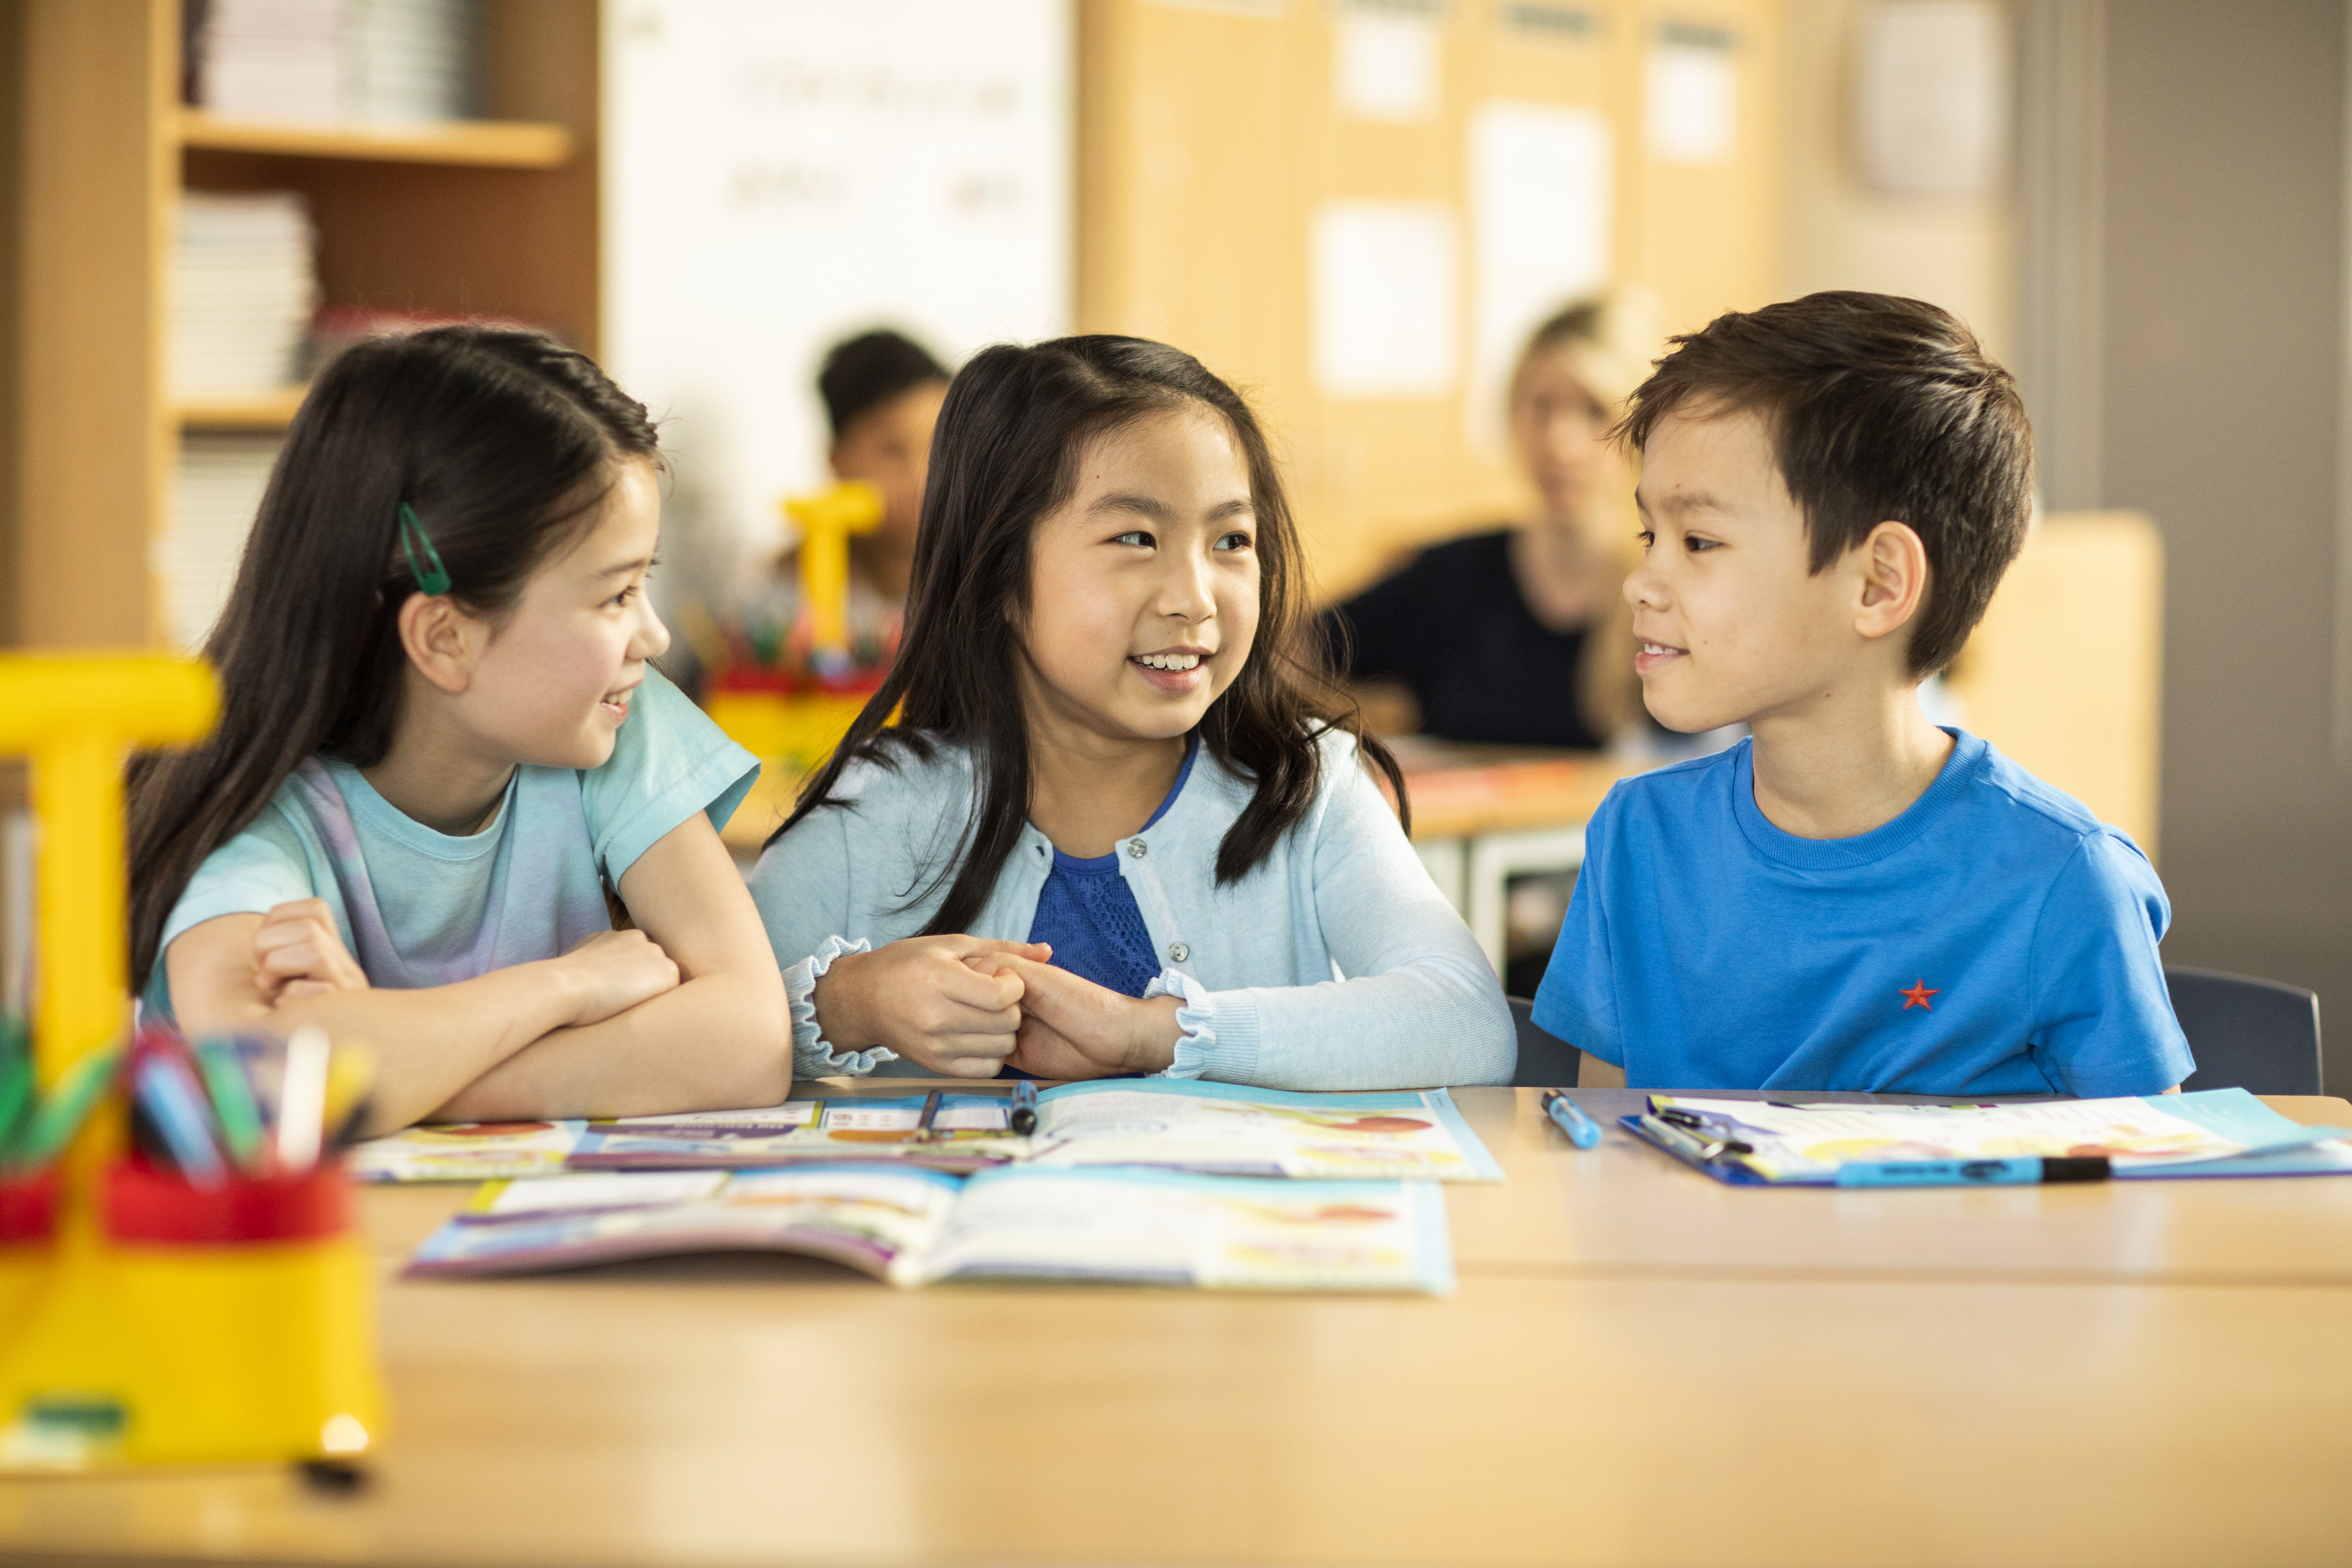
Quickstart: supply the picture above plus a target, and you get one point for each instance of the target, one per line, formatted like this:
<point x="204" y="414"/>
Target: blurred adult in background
<point x="1519" y="634"/>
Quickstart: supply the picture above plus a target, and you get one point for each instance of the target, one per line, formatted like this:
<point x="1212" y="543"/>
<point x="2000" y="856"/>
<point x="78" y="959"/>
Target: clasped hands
<point x="965" y="1006"/>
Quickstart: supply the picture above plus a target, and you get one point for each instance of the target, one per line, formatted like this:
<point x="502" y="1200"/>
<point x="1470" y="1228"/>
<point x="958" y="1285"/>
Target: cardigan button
<point x="1137" y="848"/>
<point x="1177" y="953"/>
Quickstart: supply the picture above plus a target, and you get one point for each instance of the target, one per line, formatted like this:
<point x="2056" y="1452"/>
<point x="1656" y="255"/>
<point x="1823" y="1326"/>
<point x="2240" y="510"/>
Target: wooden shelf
<point x="241" y="411"/>
<point x="484" y="143"/>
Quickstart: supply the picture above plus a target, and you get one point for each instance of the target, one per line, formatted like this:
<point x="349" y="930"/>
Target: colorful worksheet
<point x="1171" y="1124"/>
<point x="911" y="1226"/>
<point x="2212" y="1132"/>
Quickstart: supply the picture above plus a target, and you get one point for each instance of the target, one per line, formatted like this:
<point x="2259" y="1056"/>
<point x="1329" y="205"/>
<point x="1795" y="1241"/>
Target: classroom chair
<point x="2250" y="1034"/>
<point x="1546" y="1061"/>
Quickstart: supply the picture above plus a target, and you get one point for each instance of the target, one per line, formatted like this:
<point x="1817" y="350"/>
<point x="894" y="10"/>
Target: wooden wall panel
<point x="1209" y="138"/>
<point x="93" y="444"/>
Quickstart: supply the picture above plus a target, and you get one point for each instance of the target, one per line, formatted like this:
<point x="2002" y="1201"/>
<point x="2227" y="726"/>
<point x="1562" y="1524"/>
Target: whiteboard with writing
<point x="781" y="173"/>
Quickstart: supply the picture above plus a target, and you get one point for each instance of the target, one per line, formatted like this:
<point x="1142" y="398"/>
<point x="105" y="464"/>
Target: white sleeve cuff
<point x="813" y="1057"/>
<point x="1195" y="1016"/>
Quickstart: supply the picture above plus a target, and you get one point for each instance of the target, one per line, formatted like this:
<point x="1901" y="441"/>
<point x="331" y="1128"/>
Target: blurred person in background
<point x="1519" y="634"/>
<point x="882" y="394"/>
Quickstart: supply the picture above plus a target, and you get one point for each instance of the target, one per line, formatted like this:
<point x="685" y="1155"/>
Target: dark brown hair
<point x="1005" y="455"/>
<point x="503" y="443"/>
<point x="1879" y="409"/>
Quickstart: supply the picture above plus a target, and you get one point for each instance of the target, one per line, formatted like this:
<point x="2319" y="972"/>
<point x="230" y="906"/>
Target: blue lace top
<point x="1089" y="914"/>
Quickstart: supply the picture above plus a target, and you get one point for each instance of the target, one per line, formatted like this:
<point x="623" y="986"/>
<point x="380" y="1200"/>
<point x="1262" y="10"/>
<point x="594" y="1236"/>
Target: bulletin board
<point x="781" y="173"/>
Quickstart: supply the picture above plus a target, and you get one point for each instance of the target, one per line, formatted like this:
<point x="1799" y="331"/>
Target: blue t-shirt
<point x="1994" y="939"/>
<point x="1089" y="914"/>
<point x="417" y="907"/>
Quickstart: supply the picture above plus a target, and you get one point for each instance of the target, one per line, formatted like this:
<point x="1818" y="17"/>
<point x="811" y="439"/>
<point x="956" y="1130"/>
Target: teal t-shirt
<point x="417" y="907"/>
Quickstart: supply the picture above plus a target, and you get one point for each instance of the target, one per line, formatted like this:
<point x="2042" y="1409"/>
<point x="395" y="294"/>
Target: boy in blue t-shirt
<point x="1852" y="898"/>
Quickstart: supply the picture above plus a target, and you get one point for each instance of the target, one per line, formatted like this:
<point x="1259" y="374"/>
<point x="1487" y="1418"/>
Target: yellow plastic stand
<point x="797" y="732"/>
<point x="113" y="1352"/>
<point x="826" y="521"/>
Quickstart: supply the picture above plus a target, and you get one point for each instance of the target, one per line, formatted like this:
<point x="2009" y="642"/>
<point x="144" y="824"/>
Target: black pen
<point x="930" y="1109"/>
<point x="1025" y="1107"/>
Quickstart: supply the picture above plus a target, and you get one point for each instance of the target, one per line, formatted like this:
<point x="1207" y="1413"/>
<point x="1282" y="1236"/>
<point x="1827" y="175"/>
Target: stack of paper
<point x="337" y="59"/>
<point x="214" y="494"/>
<point x="244" y="281"/>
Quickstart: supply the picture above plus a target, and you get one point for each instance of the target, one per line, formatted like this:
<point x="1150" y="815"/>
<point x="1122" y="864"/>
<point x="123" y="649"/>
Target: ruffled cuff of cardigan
<point x="1220" y="1029"/>
<point x="813" y="1056"/>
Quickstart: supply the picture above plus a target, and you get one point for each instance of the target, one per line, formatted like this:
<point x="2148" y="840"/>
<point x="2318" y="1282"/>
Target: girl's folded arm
<point x="721" y="1040"/>
<point x="1420" y="1006"/>
<point x="430" y="1042"/>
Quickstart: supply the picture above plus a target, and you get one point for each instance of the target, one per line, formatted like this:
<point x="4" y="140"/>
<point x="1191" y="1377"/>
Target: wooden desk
<point x="1780" y="1384"/>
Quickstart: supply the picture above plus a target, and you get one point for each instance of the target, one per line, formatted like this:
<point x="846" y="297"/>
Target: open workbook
<point x="1171" y="1124"/>
<point x="912" y="1226"/>
<point x="2212" y="1132"/>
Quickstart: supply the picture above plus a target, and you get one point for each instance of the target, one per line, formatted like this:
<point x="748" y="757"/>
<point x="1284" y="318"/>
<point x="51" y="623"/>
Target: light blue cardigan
<point x="1335" y="965"/>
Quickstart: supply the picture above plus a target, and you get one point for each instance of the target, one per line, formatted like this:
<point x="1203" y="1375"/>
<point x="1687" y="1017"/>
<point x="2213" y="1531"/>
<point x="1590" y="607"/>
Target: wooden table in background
<point x="1483" y="814"/>
<point x="1641" y="1367"/>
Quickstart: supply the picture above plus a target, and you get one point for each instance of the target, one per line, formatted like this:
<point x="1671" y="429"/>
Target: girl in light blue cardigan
<point x="1116" y="827"/>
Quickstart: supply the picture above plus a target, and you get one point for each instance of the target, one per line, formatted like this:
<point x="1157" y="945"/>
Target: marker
<point x="232" y="1097"/>
<point x="923" y="1125"/>
<point x="1683" y="1141"/>
<point x="60" y="1112"/>
<point x="302" y="1100"/>
<point x="1581" y="1130"/>
<point x="168" y="1090"/>
<point x="15" y="1079"/>
<point x="1972" y="1172"/>
<point x="1025" y="1107"/>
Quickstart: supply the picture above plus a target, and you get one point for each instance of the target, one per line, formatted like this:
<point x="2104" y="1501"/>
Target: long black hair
<point x="501" y="442"/>
<point x="1005" y="454"/>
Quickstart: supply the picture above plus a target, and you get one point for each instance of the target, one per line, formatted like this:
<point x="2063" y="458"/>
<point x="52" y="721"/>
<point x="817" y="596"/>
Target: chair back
<point x="1546" y="1061"/>
<point x="2249" y="1034"/>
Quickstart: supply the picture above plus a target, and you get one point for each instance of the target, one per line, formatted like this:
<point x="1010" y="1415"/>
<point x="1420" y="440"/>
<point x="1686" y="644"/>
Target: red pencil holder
<point x="145" y="1204"/>
<point x="28" y="1209"/>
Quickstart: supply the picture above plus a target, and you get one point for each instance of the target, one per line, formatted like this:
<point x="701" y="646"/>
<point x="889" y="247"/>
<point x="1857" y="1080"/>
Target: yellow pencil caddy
<point x="143" y="1320"/>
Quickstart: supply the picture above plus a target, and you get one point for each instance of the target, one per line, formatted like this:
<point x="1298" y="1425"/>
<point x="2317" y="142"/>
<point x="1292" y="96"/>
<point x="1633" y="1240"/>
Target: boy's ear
<point x="1893" y="562"/>
<point x="441" y="640"/>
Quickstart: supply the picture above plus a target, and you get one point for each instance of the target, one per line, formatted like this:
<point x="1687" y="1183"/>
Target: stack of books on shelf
<point x="214" y="494"/>
<point x="334" y="59"/>
<point x="245" y="282"/>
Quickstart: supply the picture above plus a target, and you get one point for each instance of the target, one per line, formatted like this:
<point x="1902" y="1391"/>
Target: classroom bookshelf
<point x="495" y="217"/>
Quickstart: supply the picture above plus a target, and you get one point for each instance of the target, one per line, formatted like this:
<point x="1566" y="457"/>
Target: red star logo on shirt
<point x="1917" y="996"/>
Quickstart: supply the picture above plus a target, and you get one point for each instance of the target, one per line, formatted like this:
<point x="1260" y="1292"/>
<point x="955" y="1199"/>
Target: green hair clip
<point x="432" y="577"/>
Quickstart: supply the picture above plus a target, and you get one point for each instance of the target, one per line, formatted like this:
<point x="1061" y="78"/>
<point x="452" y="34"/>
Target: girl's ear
<point x="1894" y="579"/>
<point x="441" y="640"/>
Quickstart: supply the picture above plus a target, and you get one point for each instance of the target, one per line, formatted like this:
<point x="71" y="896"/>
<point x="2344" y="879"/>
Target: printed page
<point x="879" y="1219"/>
<point x="970" y="1130"/>
<point x="465" y="1152"/>
<point x="1802" y="1142"/>
<point x="1154" y="1227"/>
<point x="1223" y="1129"/>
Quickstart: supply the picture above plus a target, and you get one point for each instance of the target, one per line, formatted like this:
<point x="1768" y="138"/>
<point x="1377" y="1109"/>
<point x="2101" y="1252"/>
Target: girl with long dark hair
<point x="442" y="751"/>
<point x="1103" y="816"/>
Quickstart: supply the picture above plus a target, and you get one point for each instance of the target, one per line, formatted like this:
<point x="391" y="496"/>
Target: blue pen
<point x="1972" y="1173"/>
<point x="1025" y="1107"/>
<point x="1581" y="1130"/>
<point x="169" y="1093"/>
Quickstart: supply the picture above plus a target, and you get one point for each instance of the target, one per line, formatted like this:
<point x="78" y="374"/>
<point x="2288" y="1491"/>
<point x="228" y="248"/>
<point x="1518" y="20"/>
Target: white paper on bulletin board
<point x="1540" y="191"/>
<point x="1386" y="296"/>
<point x="780" y="173"/>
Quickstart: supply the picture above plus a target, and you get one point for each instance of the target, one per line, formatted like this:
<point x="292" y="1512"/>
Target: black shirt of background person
<point x="1453" y="628"/>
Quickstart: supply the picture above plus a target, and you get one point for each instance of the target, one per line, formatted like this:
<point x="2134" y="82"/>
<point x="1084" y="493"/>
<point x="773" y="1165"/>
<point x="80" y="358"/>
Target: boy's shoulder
<point x="1984" y="796"/>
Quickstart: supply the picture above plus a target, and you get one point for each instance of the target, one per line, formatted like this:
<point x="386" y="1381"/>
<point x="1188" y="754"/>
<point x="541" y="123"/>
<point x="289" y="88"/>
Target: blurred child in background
<point x="882" y="394"/>
<point x="1518" y="635"/>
